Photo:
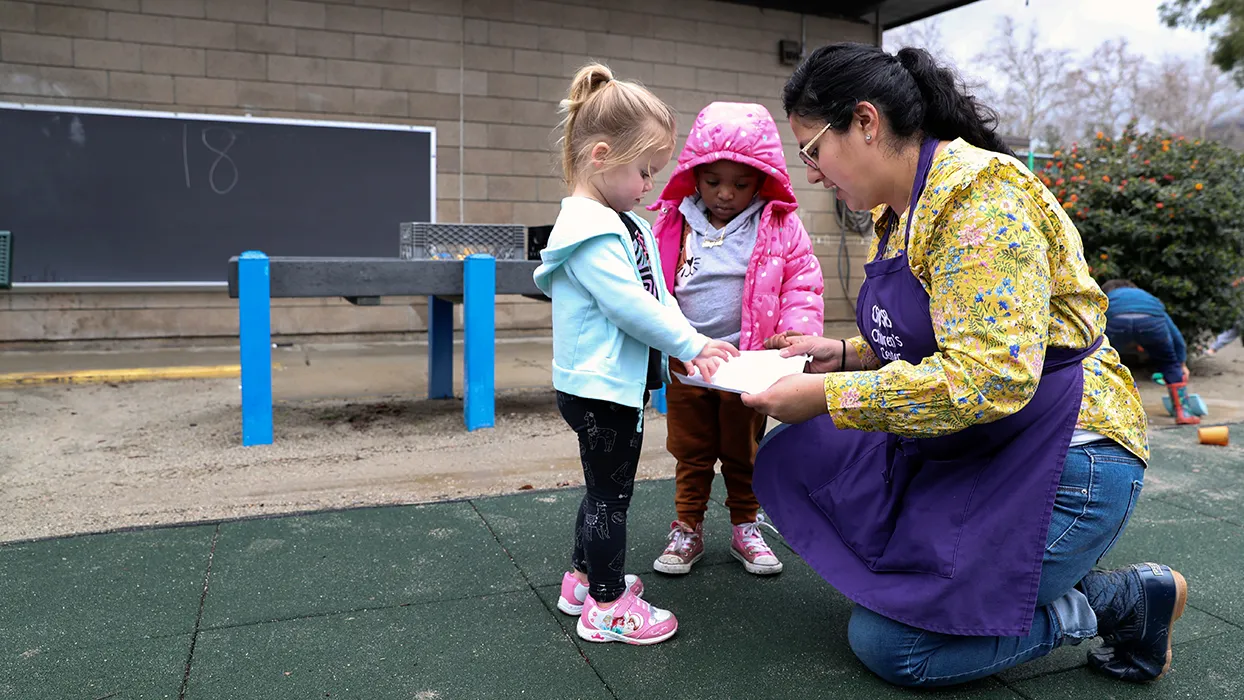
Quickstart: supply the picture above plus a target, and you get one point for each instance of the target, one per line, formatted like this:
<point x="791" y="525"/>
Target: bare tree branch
<point x="1188" y="97"/>
<point x="1031" y="77"/>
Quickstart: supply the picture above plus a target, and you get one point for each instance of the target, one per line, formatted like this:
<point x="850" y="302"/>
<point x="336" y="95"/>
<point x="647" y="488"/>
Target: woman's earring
<point x="868" y="137"/>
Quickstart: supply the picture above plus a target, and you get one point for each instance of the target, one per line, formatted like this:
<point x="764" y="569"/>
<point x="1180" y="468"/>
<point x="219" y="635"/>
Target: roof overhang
<point x="893" y="13"/>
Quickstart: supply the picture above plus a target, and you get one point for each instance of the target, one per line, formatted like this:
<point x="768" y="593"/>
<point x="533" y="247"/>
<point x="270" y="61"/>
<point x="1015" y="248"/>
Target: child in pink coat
<point x="738" y="260"/>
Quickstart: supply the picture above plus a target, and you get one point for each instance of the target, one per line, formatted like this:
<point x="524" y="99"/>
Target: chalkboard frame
<point x="247" y="118"/>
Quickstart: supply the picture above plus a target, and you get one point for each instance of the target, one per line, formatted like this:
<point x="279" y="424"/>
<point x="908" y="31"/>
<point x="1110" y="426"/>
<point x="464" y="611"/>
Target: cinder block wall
<point x="486" y="73"/>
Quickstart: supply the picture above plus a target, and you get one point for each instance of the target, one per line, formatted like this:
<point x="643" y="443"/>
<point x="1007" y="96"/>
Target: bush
<point x="1164" y="212"/>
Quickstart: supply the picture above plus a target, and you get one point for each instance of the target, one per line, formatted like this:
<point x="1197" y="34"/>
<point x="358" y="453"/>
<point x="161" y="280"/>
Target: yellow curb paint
<point x="137" y="374"/>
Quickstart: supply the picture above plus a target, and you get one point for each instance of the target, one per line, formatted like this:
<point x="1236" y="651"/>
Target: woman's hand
<point x="792" y="399"/>
<point x="710" y="358"/>
<point x="826" y="353"/>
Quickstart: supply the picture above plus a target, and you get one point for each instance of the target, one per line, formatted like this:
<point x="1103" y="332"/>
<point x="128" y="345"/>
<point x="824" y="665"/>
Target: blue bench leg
<point x="440" y="348"/>
<point x="479" y="286"/>
<point x="255" y="340"/>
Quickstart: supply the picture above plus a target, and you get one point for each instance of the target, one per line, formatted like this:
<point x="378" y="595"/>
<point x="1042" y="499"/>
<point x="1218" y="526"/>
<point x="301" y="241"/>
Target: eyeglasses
<point x="807" y="159"/>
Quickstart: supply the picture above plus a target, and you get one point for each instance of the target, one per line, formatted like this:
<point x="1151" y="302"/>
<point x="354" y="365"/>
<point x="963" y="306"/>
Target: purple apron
<point x="945" y="534"/>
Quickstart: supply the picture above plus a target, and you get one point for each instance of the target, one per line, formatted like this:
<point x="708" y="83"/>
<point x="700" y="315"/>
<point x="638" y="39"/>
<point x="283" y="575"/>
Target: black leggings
<point x="609" y="443"/>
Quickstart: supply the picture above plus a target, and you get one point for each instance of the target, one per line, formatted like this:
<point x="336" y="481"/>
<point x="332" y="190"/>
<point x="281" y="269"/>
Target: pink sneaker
<point x="629" y="619"/>
<point x="686" y="547"/>
<point x="749" y="547"/>
<point x="574" y="593"/>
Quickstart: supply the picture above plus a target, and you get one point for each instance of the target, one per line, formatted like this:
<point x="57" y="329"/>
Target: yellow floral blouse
<point x="1003" y="266"/>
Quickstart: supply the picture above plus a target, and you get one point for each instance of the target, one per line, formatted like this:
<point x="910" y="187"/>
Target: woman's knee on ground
<point x="884" y="646"/>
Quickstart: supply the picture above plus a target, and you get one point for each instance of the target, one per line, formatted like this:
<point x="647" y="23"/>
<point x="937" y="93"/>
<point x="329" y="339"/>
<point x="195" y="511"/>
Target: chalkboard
<point x="126" y="197"/>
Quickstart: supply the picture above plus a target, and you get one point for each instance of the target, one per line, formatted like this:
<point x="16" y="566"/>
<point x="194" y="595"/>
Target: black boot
<point x="1136" y="608"/>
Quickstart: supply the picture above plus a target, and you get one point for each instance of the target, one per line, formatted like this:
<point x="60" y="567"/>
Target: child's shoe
<point x="749" y="547"/>
<point x="686" y="547"/>
<point x="574" y="593"/>
<point x="629" y="619"/>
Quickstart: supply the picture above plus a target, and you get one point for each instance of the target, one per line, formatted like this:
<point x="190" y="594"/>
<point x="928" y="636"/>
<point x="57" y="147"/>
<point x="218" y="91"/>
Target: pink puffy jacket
<point x="782" y="290"/>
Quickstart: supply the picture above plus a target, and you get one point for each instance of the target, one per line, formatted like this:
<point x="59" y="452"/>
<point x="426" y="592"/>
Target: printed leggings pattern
<point x="609" y="446"/>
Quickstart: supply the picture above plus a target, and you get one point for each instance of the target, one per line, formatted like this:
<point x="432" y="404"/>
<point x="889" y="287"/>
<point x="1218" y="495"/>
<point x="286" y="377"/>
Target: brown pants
<point x="706" y="426"/>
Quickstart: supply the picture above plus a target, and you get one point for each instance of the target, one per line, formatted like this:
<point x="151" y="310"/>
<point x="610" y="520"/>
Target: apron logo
<point x="886" y="344"/>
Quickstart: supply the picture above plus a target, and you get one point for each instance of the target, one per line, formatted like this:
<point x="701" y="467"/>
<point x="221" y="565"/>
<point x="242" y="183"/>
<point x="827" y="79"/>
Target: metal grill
<point x="6" y="260"/>
<point x="427" y="241"/>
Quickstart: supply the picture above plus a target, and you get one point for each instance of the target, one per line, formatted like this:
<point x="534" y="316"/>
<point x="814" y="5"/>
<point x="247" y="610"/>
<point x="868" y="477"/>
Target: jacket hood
<point x="737" y="131"/>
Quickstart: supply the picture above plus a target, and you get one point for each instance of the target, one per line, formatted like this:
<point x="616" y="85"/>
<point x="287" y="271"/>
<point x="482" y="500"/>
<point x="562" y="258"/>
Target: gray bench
<point x="254" y="279"/>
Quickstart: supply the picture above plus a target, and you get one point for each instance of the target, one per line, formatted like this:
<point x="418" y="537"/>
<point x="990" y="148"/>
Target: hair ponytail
<point x="916" y="95"/>
<point x="949" y="111"/>
<point x="621" y="113"/>
<point x="585" y="83"/>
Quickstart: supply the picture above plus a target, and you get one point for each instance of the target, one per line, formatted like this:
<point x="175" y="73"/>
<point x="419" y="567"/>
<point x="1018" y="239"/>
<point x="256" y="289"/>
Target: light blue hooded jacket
<point x="604" y="320"/>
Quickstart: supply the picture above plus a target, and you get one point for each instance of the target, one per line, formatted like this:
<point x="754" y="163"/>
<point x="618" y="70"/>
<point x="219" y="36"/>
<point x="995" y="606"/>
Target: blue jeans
<point x="1151" y="333"/>
<point x="1098" y="490"/>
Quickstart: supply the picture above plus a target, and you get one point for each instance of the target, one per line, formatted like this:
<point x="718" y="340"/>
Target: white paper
<point x="751" y="372"/>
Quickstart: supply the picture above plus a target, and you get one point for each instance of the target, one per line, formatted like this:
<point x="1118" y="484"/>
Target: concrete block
<point x="388" y="103"/>
<point x="524" y="87"/>
<point x="535" y="213"/>
<point x="265" y="95"/>
<point x="489" y="9"/>
<point x="513" y="35"/>
<point x="112" y="55"/>
<point x="469" y="82"/>
<point x="354" y="74"/>
<point x="173" y="60"/>
<point x="447" y="160"/>
<point x="314" y="42"/>
<point x="270" y="40"/>
<point x="414" y="25"/>
<point x="17" y="16"/>
<point x="71" y="21"/>
<point x="383" y="49"/>
<point x="443" y="54"/>
<point x="561" y="40"/>
<point x="325" y="99"/>
<point x="237" y="64"/>
<point x="414" y="79"/>
<point x="545" y="164"/>
<point x="488" y="161"/>
<point x="489" y="212"/>
<point x="295" y="13"/>
<point x="512" y="189"/>
<point x="492" y="110"/>
<point x="140" y="87"/>
<point x="140" y="28"/>
<point x="519" y="138"/>
<point x="475" y="31"/>
<point x="207" y="92"/>
<point x="631" y="23"/>
<point x="249" y="11"/>
<point x="610" y="45"/>
<point x="541" y="63"/>
<point x="488" y="58"/>
<point x="36" y="49"/>
<point x="716" y="81"/>
<point x="365" y="20"/>
<point x="297" y="69"/>
<point x="179" y="8"/>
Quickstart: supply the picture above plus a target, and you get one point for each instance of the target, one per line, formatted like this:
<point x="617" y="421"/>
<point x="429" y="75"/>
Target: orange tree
<point x="1164" y="212"/>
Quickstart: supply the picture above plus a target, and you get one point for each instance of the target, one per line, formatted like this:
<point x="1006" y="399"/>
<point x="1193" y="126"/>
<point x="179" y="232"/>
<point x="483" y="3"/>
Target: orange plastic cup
<point x="1214" y="435"/>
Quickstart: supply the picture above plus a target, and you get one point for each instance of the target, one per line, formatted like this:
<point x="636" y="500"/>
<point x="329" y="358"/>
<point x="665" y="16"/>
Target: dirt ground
<point x="90" y="458"/>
